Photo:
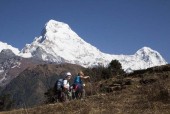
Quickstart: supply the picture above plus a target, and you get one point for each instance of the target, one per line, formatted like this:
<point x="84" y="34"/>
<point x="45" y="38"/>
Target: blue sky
<point x="113" y="26"/>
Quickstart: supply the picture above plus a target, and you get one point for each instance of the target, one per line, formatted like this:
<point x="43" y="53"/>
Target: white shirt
<point x="66" y="84"/>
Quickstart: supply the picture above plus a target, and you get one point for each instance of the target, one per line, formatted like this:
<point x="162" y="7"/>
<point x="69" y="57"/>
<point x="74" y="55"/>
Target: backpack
<point x="59" y="84"/>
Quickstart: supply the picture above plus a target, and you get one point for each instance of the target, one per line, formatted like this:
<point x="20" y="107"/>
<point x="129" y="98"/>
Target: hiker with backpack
<point x="62" y="87"/>
<point x="78" y="84"/>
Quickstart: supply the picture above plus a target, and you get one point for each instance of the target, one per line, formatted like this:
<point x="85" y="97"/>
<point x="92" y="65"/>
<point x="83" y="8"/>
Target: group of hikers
<point x="66" y="91"/>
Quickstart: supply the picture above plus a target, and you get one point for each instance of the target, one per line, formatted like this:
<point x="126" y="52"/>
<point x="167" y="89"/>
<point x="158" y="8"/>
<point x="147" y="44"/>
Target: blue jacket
<point x="77" y="80"/>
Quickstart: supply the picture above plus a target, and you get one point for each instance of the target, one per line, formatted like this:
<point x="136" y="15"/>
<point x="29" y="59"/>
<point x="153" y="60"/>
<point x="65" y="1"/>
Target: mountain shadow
<point x="29" y="87"/>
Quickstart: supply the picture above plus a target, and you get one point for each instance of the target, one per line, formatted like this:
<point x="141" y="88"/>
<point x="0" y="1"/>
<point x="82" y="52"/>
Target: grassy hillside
<point x="29" y="87"/>
<point x="142" y="92"/>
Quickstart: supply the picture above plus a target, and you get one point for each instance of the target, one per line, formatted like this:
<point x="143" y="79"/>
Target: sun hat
<point x="68" y="74"/>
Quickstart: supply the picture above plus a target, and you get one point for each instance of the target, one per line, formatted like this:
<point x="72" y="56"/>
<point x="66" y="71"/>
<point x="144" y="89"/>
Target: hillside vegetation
<point x="144" y="91"/>
<point x="29" y="87"/>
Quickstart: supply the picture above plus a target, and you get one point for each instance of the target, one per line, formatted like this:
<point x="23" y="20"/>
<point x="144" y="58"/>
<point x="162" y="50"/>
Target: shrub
<point x="6" y="102"/>
<point x="100" y="72"/>
<point x="156" y="92"/>
<point x="50" y="96"/>
<point x="115" y="67"/>
<point x="95" y="73"/>
<point x="106" y="74"/>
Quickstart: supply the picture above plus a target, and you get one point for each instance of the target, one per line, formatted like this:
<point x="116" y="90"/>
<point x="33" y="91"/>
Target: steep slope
<point x="31" y="84"/>
<point x="142" y="59"/>
<point x="58" y="43"/>
<point x="145" y="92"/>
<point x="11" y="65"/>
<point x="8" y="61"/>
<point x="6" y="46"/>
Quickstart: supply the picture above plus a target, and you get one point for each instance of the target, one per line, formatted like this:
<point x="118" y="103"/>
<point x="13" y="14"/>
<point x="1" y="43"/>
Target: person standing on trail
<point x="62" y="87"/>
<point x="78" y="84"/>
<point x="66" y="85"/>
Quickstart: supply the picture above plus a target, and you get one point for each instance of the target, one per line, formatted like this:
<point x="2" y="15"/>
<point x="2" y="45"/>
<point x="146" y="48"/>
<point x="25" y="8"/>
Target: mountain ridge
<point x="60" y="44"/>
<point x="6" y="46"/>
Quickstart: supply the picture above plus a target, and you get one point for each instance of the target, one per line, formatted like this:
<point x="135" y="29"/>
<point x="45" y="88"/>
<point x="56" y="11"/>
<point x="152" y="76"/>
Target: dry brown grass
<point x="141" y="96"/>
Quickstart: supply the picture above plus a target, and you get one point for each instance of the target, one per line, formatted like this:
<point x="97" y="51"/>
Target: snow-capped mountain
<point x="8" y="62"/>
<point x="59" y="43"/>
<point x="11" y="65"/>
<point x="142" y="59"/>
<point x="6" y="46"/>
